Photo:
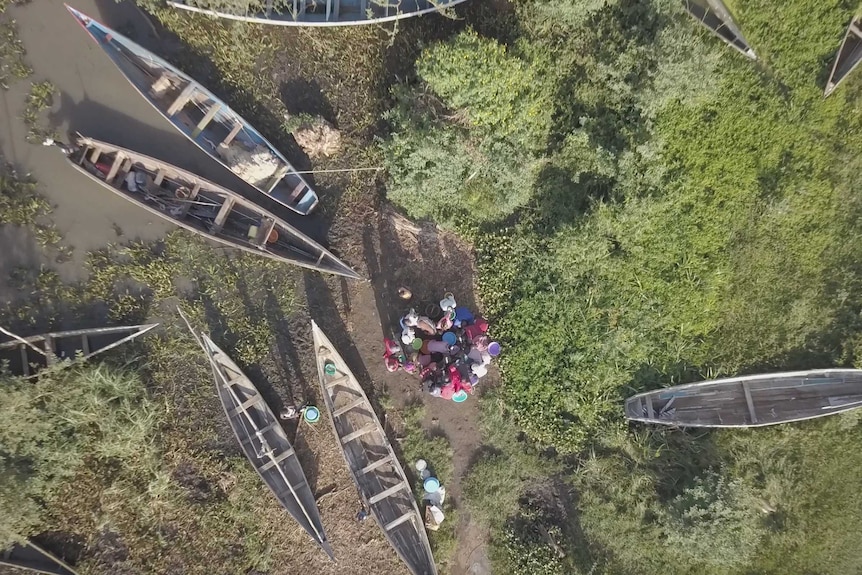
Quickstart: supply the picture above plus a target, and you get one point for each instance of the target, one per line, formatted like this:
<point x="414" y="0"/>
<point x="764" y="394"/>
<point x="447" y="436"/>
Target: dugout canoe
<point x="382" y="483"/>
<point x="751" y="400"/>
<point x="33" y="558"/>
<point x="55" y="347"/>
<point x="204" y="119"/>
<point x="263" y="440"/>
<point x="199" y="205"/>
<point x="316" y="12"/>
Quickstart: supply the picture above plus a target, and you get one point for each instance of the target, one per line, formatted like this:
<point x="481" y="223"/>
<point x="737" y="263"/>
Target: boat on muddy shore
<point x="199" y="205"/>
<point x="376" y="471"/>
<point x="204" y="119"/>
<point x="263" y="440"/>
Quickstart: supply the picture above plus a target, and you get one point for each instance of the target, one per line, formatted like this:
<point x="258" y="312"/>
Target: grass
<point x="39" y="98"/>
<point x="53" y="428"/>
<point x="417" y="444"/>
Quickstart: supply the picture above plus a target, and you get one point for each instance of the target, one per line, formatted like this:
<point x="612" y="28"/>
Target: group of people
<point x="449" y="349"/>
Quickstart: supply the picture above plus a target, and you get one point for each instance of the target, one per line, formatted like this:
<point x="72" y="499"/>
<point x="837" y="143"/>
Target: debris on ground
<point x="317" y="137"/>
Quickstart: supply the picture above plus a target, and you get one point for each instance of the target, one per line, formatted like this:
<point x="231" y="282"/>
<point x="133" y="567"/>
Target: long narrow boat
<point x="848" y="57"/>
<point x="317" y="12"/>
<point x="375" y="469"/>
<point x="263" y="441"/>
<point x="25" y="359"/>
<point x="199" y="205"/>
<point x="715" y="17"/>
<point x="204" y="119"/>
<point x="32" y="557"/>
<point x="752" y="400"/>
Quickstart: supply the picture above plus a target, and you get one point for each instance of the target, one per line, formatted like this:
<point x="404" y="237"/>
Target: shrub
<point x="50" y="428"/>
<point x="714" y="521"/>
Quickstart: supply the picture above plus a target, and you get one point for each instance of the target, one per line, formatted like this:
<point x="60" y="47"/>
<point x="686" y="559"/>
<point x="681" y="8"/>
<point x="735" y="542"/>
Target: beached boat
<point x="263" y="441"/>
<point x="28" y="355"/>
<point x="316" y="12"/>
<point x="199" y="205"/>
<point x="752" y="400"/>
<point x="848" y="57"/>
<point x="32" y="557"/>
<point x="204" y="119"/>
<point x="378" y="474"/>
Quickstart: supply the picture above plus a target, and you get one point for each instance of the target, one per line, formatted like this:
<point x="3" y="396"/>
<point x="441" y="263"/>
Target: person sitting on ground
<point x="463" y="316"/>
<point x="476" y="329"/>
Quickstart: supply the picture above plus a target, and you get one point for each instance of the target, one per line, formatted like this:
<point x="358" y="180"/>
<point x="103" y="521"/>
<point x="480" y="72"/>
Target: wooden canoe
<point x="204" y="119"/>
<point x="752" y="400"/>
<point x="715" y="17"/>
<point x="32" y="557"/>
<point x="200" y="206"/>
<point x="378" y="474"/>
<point x="317" y="12"/>
<point x="848" y="57"/>
<point x="80" y="344"/>
<point x="263" y="440"/>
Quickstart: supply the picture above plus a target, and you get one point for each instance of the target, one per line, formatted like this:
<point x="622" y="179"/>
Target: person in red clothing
<point x="480" y="327"/>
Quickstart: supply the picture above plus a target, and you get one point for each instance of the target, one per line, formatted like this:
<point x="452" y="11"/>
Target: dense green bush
<point x="465" y="146"/>
<point x="50" y="429"/>
<point x="692" y="214"/>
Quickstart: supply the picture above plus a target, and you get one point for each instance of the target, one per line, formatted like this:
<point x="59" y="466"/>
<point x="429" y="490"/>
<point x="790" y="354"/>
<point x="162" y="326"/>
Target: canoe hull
<point x="291" y="245"/>
<point x="751" y="401"/>
<point x="343" y="13"/>
<point x="203" y="118"/>
<point x="376" y="471"/>
<point x="77" y="345"/>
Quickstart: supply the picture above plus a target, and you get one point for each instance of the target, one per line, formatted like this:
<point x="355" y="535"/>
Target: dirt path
<point x="430" y="263"/>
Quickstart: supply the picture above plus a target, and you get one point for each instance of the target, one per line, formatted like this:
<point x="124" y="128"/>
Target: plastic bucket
<point x="311" y="414"/>
<point x="417" y="344"/>
<point x="329" y="368"/>
<point x="421" y="465"/>
<point x="494" y="349"/>
<point x="431" y="484"/>
<point x="460" y="396"/>
<point x="450" y="338"/>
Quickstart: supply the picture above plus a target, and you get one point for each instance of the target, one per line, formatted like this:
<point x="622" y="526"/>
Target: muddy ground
<point x="94" y="98"/>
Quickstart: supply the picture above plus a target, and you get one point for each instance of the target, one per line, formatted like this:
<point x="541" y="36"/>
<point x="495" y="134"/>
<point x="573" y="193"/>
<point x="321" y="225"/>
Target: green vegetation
<point x="12" y="64"/>
<point x="39" y="99"/>
<point x="649" y="208"/>
<point x="69" y="420"/>
<point x="22" y="205"/>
